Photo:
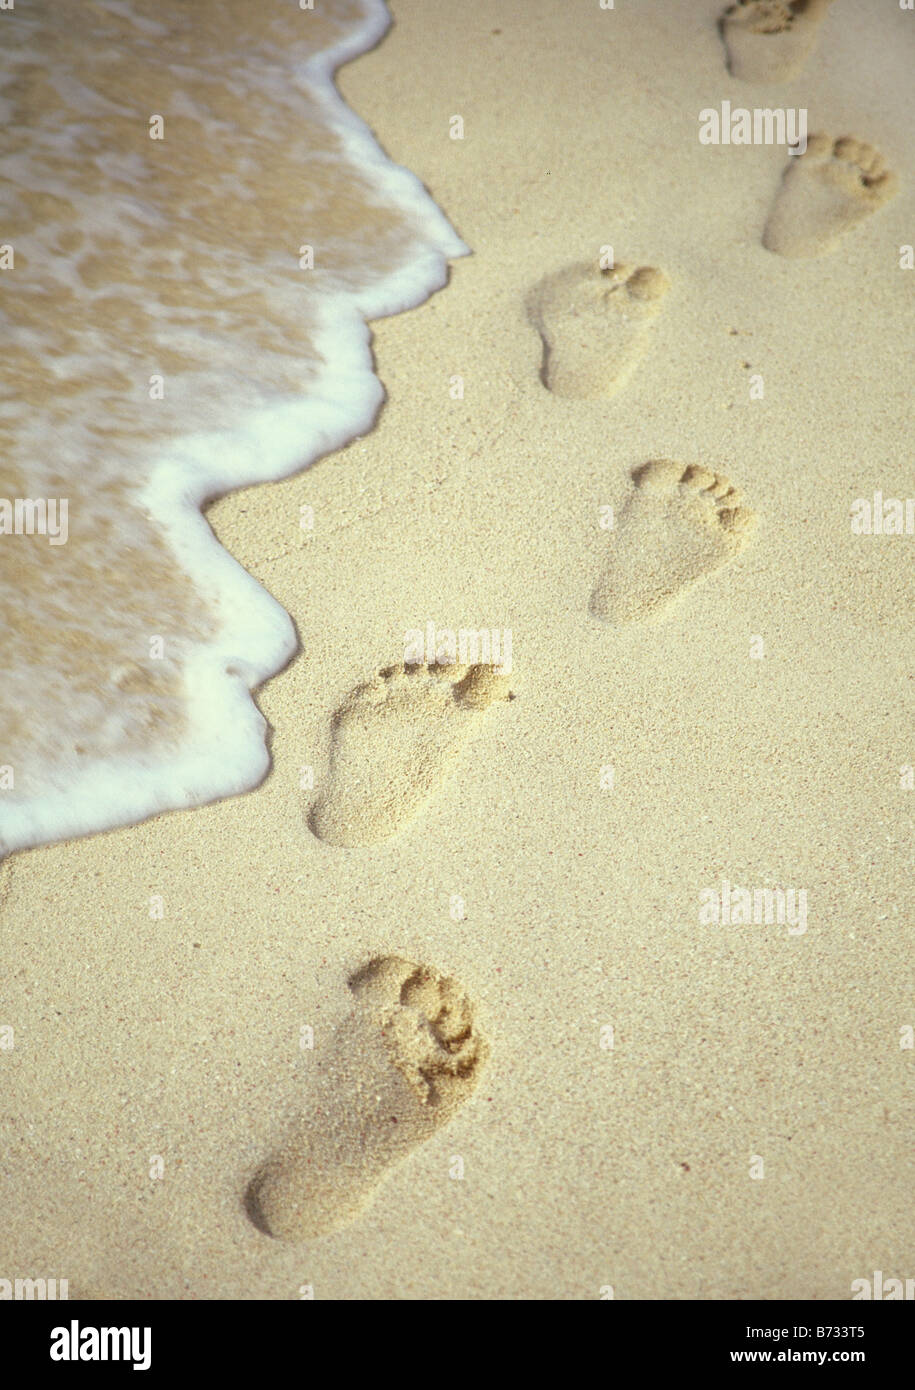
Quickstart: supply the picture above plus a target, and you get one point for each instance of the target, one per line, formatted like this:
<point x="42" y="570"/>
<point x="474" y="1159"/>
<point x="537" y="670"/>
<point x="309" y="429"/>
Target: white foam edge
<point x="356" y="137"/>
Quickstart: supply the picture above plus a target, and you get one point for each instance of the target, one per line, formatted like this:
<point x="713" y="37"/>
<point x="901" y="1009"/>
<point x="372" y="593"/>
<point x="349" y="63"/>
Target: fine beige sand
<point x="433" y="1013"/>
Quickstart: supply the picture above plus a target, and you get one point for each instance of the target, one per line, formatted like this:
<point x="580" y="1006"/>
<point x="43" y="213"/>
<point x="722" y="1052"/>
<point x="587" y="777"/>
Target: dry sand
<point x="749" y="1133"/>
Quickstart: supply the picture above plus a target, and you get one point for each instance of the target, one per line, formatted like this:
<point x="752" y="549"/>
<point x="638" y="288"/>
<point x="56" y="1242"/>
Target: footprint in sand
<point x="824" y="192"/>
<point x="405" y="1062"/>
<point x="393" y="741"/>
<point x="592" y="323"/>
<point x="679" y="525"/>
<point x="770" y="40"/>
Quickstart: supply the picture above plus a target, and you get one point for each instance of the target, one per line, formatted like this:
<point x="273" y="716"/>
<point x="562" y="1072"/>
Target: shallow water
<point x="163" y="171"/>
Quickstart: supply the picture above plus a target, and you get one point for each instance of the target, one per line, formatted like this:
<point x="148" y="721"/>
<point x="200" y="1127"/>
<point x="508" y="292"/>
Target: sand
<point x="668" y="1106"/>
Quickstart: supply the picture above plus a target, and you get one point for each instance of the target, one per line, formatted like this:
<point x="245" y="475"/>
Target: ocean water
<point x="163" y="169"/>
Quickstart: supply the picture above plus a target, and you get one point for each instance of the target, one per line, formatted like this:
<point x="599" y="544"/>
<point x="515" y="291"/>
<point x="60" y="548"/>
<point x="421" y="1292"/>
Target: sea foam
<point x="162" y="170"/>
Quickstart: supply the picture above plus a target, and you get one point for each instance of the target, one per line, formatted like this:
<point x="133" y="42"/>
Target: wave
<point x="195" y="231"/>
